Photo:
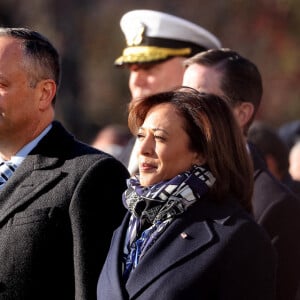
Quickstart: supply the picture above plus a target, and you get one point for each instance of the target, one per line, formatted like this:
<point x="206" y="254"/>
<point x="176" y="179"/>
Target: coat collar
<point x="185" y="236"/>
<point x="36" y="172"/>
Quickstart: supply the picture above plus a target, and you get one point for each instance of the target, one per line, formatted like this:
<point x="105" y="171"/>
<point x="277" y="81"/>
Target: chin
<point x="146" y="182"/>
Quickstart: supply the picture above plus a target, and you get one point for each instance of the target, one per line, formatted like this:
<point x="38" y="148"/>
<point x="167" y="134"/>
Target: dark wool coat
<point x="57" y="215"/>
<point x="277" y="209"/>
<point x="210" y="252"/>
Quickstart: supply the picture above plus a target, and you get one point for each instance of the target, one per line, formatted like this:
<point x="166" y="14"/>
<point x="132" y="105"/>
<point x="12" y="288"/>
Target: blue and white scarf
<point x="157" y="206"/>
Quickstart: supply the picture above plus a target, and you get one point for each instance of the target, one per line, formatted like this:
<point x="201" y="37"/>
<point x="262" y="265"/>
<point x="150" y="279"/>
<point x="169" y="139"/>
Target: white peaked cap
<point x="153" y="36"/>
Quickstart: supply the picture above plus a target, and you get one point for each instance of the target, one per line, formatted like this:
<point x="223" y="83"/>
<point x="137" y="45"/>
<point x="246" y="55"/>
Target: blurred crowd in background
<point x="94" y="93"/>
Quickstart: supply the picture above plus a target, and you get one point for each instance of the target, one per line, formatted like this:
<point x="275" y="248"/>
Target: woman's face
<point x="163" y="150"/>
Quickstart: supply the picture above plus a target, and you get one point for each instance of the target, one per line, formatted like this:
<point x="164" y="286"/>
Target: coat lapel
<point x="37" y="171"/>
<point x="182" y="238"/>
<point x="180" y="244"/>
<point x="113" y="261"/>
<point x="30" y="181"/>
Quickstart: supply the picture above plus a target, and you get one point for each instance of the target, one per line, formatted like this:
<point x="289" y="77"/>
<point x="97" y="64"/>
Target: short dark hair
<point x="241" y="80"/>
<point x="41" y="53"/>
<point x="268" y="142"/>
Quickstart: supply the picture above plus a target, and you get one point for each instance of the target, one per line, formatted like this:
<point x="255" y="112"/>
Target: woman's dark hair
<point x="213" y="132"/>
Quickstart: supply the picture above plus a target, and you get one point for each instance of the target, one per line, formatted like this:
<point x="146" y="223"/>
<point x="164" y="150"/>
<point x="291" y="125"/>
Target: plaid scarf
<point x="156" y="206"/>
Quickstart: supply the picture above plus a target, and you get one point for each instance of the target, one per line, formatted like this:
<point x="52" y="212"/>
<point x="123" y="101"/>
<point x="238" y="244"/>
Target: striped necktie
<point x="7" y="168"/>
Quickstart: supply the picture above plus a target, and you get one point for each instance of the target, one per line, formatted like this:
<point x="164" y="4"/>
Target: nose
<point x="134" y="67"/>
<point x="137" y="77"/>
<point x="146" y="146"/>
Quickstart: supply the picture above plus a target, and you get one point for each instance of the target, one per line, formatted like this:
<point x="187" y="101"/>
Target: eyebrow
<point x="156" y="129"/>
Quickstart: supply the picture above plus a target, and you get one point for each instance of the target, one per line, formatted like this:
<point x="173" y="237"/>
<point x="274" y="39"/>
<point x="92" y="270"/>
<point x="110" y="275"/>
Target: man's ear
<point x="273" y="166"/>
<point x="47" y="90"/>
<point x="243" y="113"/>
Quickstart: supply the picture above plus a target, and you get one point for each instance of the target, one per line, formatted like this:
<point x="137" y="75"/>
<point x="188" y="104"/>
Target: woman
<point x="188" y="233"/>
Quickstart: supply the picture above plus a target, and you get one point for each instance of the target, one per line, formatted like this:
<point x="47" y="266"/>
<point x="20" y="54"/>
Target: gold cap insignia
<point x="135" y="34"/>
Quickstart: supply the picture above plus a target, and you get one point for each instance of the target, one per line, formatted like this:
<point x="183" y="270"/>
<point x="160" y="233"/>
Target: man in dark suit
<point x="274" y="151"/>
<point x="60" y="205"/>
<point x="228" y="74"/>
<point x="156" y="47"/>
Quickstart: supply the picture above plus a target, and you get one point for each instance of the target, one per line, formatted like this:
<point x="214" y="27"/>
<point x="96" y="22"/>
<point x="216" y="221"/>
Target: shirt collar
<point x="22" y="153"/>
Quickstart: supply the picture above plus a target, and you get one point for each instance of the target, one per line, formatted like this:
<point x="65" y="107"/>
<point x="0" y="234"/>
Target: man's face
<point x="24" y="107"/>
<point x="202" y="78"/>
<point x="148" y="79"/>
<point x="18" y="101"/>
<point x="208" y="80"/>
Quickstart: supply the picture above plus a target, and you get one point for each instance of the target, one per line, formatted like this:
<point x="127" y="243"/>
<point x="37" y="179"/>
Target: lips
<point x="147" y="166"/>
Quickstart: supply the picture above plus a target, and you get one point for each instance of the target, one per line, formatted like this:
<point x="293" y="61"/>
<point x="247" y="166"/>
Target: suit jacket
<point x="57" y="214"/>
<point x="209" y="252"/>
<point x="277" y="209"/>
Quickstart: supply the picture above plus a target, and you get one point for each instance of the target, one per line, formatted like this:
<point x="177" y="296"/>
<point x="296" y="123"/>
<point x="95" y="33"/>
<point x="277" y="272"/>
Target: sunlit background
<point x="94" y="93"/>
